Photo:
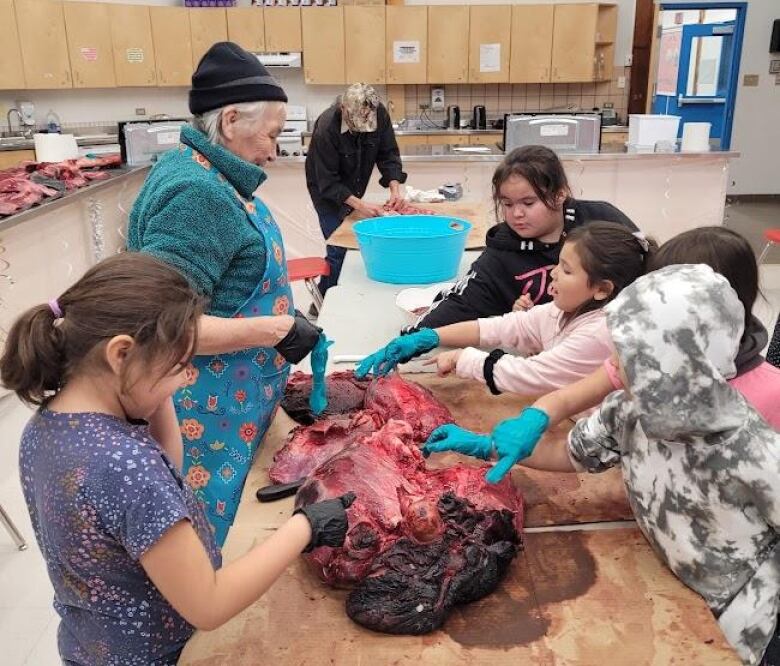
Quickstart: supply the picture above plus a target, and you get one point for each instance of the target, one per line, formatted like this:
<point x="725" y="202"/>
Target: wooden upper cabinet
<point x="88" y="27"/>
<point x="41" y="25"/>
<point x="323" y="44"/>
<point x="131" y="36"/>
<point x="448" y="44"/>
<point x="208" y="25"/>
<point x="489" y="34"/>
<point x="246" y="27"/>
<point x="172" y="45"/>
<point x="283" y="29"/>
<point x="11" y="68"/>
<point x="532" y="38"/>
<point x="364" y="27"/>
<point x="406" y="44"/>
<point x="574" y="34"/>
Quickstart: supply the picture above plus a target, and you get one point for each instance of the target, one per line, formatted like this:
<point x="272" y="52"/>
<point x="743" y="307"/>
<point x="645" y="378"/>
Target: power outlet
<point x="424" y="106"/>
<point x="437" y="99"/>
<point x="140" y="111"/>
<point x="621" y="82"/>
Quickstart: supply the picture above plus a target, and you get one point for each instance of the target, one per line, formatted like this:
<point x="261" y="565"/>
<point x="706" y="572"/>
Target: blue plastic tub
<point x="412" y="249"/>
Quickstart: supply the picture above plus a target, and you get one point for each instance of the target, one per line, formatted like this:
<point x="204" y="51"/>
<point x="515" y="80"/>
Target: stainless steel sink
<point x="14" y="142"/>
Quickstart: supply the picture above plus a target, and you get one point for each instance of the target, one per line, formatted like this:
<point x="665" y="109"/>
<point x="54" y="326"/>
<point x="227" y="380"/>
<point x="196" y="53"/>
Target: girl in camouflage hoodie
<point x="701" y="467"/>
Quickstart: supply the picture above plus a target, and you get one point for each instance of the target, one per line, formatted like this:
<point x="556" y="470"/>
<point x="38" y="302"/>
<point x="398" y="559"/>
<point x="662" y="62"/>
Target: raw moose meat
<point x="392" y="397"/>
<point x="308" y="446"/>
<point x="395" y="398"/>
<point x="30" y="183"/>
<point x="408" y="209"/>
<point x="355" y="408"/>
<point x="415" y="547"/>
<point x="345" y="394"/>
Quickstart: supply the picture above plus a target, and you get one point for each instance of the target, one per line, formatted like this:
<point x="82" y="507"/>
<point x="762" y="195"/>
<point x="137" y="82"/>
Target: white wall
<point x="756" y="129"/>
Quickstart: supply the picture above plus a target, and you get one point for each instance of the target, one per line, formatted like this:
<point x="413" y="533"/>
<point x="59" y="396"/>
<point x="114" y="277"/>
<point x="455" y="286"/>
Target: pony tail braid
<point x="33" y="363"/>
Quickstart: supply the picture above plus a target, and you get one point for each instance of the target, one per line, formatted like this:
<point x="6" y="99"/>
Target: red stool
<point x="772" y="238"/>
<point x="309" y="269"/>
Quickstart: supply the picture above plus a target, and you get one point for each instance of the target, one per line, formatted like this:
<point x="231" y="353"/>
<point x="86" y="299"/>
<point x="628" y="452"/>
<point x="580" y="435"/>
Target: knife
<point x="278" y="491"/>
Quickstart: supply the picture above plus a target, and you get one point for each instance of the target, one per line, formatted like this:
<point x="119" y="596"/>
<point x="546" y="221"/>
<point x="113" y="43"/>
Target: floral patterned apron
<point x="229" y="400"/>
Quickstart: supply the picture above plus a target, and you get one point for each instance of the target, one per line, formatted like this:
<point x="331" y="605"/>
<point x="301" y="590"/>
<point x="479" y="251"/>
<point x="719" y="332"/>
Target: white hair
<point x="210" y="123"/>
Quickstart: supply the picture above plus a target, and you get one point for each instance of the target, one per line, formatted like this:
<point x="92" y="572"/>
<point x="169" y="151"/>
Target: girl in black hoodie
<point x="532" y="196"/>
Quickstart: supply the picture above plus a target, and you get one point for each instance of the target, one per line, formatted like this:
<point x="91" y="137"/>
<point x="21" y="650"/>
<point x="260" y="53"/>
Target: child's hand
<point x="446" y="362"/>
<point x="523" y="304"/>
<point x="328" y="520"/>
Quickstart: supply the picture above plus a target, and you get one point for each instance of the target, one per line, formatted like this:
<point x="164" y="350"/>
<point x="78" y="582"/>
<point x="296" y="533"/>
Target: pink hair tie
<point x="55" y="308"/>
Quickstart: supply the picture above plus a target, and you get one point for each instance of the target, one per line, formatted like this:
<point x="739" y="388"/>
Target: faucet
<point x="24" y="130"/>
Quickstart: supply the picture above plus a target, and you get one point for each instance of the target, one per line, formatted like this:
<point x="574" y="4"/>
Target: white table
<point x="361" y="315"/>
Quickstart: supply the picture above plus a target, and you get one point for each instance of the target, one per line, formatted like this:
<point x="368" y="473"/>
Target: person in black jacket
<point x="349" y="138"/>
<point x="531" y="194"/>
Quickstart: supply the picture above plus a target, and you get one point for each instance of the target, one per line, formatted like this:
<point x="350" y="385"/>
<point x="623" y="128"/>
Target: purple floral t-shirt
<point x="100" y="493"/>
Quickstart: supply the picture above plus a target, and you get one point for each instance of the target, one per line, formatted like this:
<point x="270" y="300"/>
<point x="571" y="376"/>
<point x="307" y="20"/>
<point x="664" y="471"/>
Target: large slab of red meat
<point x="355" y="408"/>
<point x="420" y="541"/>
<point x="308" y="446"/>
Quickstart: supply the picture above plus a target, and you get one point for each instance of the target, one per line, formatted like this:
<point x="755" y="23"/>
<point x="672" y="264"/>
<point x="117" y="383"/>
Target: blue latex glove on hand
<point x="399" y="350"/>
<point x="454" y="438"/>
<point x="515" y="439"/>
<point x="318" y="400"/>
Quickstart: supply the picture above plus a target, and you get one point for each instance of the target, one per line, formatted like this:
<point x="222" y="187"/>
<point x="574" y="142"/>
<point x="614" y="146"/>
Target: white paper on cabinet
<point x="406" y="52"/>
<point x="490" y="57"/>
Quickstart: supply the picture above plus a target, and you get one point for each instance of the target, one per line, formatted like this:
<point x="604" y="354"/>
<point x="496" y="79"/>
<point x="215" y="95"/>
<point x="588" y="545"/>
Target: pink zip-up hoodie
<point x="551" y="356"/>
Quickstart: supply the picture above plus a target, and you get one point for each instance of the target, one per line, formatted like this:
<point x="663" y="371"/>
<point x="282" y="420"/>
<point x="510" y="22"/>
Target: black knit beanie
<point x="227" y="74"/>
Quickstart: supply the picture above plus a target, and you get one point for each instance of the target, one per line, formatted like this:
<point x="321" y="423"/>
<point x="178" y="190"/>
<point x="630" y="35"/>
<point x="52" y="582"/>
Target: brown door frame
<point x="642" y="65"/>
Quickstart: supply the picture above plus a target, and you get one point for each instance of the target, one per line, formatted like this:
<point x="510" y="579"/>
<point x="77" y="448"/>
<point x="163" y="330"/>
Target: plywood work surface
<point x="596" y="596"/>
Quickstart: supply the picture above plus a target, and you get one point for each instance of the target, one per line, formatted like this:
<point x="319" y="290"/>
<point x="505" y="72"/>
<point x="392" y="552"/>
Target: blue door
<point x="705" y="76"/>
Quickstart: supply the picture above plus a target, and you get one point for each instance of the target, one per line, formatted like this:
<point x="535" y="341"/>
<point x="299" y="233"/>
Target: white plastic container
<point x="645" y="130"/>
<point x="416" y="300"/>
<point x="696" y="137"/>
<point x="55" y="147"/>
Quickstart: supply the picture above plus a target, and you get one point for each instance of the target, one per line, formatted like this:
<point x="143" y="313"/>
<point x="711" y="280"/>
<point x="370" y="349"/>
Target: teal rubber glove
<point x="515" y="439"/>
<point x="454" y="438"/>
<point x="318" y="400"/>
<point x="399" y="350"/>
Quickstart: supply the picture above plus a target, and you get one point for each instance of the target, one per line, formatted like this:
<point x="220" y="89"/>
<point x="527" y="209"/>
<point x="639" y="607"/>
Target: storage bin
<point x="412" y="249"/>
<point x="649" y="129"/>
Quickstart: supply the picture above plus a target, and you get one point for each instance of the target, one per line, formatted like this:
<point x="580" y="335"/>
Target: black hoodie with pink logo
<point x="512" y="266"/>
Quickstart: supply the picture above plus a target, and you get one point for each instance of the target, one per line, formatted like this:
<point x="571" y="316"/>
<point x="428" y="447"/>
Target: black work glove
<point x="300" y="340"/>
<point x="328" y="520"/>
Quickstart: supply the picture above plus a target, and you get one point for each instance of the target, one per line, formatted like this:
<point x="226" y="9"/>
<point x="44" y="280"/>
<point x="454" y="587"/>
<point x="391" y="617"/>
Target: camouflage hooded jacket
<point x="701" y="468"/>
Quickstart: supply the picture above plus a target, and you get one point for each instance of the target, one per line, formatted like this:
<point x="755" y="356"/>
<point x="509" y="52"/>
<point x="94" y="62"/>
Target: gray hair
<point x="210" y="123"/>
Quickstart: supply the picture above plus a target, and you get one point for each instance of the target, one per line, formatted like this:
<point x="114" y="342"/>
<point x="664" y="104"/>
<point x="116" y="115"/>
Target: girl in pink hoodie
<point x="729" y="254"/>
<point x="557" y="343"/>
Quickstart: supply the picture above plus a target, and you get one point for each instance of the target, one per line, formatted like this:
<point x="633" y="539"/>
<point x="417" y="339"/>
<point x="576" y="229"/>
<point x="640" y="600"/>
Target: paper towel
<point x="695" y="137"/>
<point x="55" y="147"/>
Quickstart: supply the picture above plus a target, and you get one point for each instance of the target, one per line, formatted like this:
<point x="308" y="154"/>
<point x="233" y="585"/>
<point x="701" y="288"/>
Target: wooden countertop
<point x="587" y="596"/>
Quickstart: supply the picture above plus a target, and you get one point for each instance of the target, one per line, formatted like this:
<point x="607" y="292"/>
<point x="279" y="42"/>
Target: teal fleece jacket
<point x="187" y="218"/>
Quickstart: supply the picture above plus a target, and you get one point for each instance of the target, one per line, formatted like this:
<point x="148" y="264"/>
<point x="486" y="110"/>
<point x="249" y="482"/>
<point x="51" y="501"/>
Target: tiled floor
<point x="28" y="625"/>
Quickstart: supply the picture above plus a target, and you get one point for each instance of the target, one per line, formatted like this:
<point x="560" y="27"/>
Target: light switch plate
<point x="750" y="80"/>
<point x="437" y="99"/>
<point x="140" y="111"/>
<point x="629" y="60"/>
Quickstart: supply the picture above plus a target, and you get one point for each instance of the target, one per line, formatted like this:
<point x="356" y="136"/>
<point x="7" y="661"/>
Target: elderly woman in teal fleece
<point x="198" y="212"/>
